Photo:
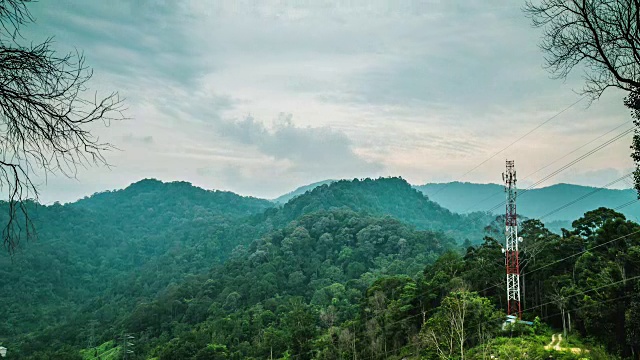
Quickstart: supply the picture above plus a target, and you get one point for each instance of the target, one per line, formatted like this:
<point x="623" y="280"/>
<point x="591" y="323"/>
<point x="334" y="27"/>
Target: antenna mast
<point x="512" y="240"/>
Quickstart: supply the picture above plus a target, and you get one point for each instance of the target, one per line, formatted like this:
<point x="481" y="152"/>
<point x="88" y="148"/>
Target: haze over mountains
<point x="466" y="197"/>
<point x="535" y="203"/>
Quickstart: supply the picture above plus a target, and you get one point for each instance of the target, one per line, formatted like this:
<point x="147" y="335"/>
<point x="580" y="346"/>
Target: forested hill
<point x="94" y="247"/>
<point x="391" y="196"/>
<point x="346" y="270"/>
<point x="261" y="302"/>
<point x="130" y="244"/>
<point x="468" y="197"/>
<point x="173" y="198"/>
<point x="340" y="285"/>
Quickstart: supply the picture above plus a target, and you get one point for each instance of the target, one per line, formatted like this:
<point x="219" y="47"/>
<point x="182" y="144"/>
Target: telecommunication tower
<point x="512" y="240"/>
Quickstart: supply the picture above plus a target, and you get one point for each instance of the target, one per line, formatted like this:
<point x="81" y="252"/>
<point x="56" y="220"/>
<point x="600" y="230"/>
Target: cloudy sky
<point x="259" y="97"/>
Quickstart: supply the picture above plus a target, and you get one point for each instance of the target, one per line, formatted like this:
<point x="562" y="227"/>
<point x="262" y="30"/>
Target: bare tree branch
<point x="44" y="117"/>
<point x="600" y="35"/>
<point x="603" y="36"/>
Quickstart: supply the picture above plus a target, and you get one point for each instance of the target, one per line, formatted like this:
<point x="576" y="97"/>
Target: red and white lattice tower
<point x="512" y="240"/>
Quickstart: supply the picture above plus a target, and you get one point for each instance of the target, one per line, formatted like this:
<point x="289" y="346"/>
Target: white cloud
<point x="421" y="89"/>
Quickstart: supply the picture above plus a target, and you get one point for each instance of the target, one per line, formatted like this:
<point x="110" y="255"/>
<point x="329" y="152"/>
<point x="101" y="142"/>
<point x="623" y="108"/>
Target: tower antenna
<point x="511" y="250"/>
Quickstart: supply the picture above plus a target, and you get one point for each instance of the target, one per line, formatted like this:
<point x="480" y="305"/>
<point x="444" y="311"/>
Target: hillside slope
<point x="132" y="243"/>
<point x="338" y="284"/>
<point x="327" y="258"/>
<point x="391" y="196"/>
<point x="96" y="246"/>
<point x="282" y="199"/>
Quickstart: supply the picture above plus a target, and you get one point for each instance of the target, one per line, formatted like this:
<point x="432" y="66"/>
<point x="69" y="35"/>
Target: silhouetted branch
<point x="44" y="116"/>
<point x="604" y="37"/>
<point x="601" y="35"/>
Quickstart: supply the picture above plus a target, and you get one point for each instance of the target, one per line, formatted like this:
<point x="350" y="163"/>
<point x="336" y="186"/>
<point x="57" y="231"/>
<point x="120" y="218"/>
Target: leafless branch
<point x="44" y="117"/>
<point x="601" y="35"/>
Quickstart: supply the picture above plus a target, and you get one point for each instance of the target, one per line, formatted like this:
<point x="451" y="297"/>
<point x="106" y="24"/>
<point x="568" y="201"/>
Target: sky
<point x="260" y="97"/>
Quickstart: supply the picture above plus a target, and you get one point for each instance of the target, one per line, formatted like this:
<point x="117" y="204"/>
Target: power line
<point x="576" y="149"/>
<point x="533" y="307"/>
<point x="551" y="163"/>
<point x="533" y="271"/>
<point x="555" y="262"/>
<point x="589" y="305"/>
<point x="561" y="169"/>
<point x="581" y="252"/>
<point x="568" y="165"/>
<point x="584" y="196"/>
<point x="567" y="204"/>
<point x="528" y="309"/>
<point x="582" y="157"/>
<point x="584" y="251"/>
<point x="512" y="143"/>
<point x="587" y="291"/>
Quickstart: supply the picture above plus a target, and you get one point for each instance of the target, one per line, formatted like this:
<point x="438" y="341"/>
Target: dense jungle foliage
<point x="363" y="269"/>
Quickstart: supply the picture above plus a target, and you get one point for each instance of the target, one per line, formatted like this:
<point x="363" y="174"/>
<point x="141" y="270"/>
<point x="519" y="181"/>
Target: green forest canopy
<point x="367" y="268"/>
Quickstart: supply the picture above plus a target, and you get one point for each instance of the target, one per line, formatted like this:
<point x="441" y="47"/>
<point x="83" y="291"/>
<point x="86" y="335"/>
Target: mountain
<point x="104" y="253"/>
<point x="345" y="270"/>
<point x="282" y="199"/>
<point x="131" y="243"/>
<point x="463" y="197"/>
<point x="98" y="246"/>
<point x="153" y="195"/>
<point x="326" y="260"/>
<point x="392" y="196"/>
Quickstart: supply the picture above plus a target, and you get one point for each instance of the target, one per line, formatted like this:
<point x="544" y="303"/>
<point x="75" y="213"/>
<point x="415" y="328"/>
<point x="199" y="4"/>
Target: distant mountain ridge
<point x="282" y="199"/>
<point x="463" y="197"/>
<point x="466" y="197"/>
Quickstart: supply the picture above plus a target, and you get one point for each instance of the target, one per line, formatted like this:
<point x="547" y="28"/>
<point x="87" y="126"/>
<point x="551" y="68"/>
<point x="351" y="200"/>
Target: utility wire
<point x="576" y="149"/>
<point x="582" y="157"/>
<point x="584" y="196"/>
<point x="531" y="308"/>
<point x="557" y="261"/>
<point x="588" y="218"/>
<point x="583" y="251"/>
<point x="566" y="166"/>
<point x="589" y="305"/>
<point x="540" y="268"/>
<point x="561" y="169"/>
<point x="586" y="291"/>
<point x="546" y="166"/>
<point x="512" y="143"/>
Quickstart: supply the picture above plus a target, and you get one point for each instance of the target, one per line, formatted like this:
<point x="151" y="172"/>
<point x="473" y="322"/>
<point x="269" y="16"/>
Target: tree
<point x="604" y="37"/>
<point x="45" y="115"/>
<point x="463" y="320"/>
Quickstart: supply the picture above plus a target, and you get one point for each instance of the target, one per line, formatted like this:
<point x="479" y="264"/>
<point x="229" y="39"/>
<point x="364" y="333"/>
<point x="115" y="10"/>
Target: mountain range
<point x="200" y="274"/>
<point x="555" y="203"/>
<point x="131" y="243"/>
<point x="547" y="203"/>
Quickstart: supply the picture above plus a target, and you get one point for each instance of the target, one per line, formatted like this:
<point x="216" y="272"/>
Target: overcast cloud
<point x="259" y="97"/>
